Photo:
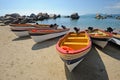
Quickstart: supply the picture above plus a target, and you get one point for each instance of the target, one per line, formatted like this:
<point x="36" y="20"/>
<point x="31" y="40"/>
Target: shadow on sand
<point x="21" y="38"/>
<point x="112" y="50"/>
<point x="91" y="68"/>
<point x="45" y="44"/>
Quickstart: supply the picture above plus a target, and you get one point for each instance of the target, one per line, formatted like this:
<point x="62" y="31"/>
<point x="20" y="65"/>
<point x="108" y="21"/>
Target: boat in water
<point x="39" y="35"/>
<point x="73" y="47"/>
<point x="99" y="37"/>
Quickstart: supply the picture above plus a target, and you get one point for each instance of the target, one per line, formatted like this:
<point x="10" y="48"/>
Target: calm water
<point x="84" y="21"/>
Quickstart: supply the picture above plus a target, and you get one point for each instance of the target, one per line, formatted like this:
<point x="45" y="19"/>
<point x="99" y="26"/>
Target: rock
<point x="6" y="22"/>
<point x="10" y="18"/>
<point x="1" y="18"/>
<point x="58" y="16"/>
<point x="110" y="16"/>
<point x="41" y="16"/>
<point x="33" y="16"/>
<point x="75" y="16"/>
<point x="45" y="15"/>
<point x="14" y="15"/>
<point x="17" y="21"/>
<point x="98" y="16"/>
<point x="118" y="17"/>
<point x="54" y="16"/>
<point x="66" y="16"/>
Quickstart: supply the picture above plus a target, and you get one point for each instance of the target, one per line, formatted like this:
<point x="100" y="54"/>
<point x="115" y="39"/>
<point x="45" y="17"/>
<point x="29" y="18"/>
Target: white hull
<point x="21" y="33"/>
<point x="44" y="37"/>
<point x="102" y="44"/>
<point x="72" y="66"/>
<point x="22" y="27"/>
<point x="81" y="54"/>
<point x="116" y="41"/>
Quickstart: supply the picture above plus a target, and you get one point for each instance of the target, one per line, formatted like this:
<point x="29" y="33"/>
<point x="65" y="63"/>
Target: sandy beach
<point x="23" y="59"/>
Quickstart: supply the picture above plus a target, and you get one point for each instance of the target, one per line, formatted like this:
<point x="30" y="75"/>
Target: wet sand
<point x="23" y="59"/>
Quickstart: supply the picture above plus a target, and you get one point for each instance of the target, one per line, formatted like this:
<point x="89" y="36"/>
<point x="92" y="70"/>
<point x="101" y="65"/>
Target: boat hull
<point x="22" y="30"/>
<point x="21" y="33"/>
<point x="72" y="66"/>
<point x="100" y="42"/>
<point x="73" y="60"/>
<point x="40" y="38"/>
<point x="21" y="27"/>
<point x="115" y="41"/>
<point x="100" y="37"/>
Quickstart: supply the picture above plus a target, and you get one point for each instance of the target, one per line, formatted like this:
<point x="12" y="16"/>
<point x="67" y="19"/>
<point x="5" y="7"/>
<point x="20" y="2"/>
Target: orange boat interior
<point x="74" y="41"/>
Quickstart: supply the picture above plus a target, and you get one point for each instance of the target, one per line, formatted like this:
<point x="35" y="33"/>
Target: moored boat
<point x="73" y="47"/>
<point x="39" y="35"/>
<point x="99" y="37"/>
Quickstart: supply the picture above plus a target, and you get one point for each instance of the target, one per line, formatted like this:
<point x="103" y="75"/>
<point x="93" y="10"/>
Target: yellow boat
<point x="73" y="47"/>
<point x="100" y="37"/>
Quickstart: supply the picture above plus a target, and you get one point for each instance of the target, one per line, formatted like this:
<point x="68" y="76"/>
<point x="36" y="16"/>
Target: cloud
<point x="114" y="6"/>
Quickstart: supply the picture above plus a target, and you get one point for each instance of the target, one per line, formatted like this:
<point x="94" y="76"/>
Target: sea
<point x="84" y="22"/>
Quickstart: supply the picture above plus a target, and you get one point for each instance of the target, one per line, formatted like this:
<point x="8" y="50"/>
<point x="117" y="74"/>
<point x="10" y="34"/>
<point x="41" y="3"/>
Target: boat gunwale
<point x="28" y="29"/>
<point x="45" y="32"/>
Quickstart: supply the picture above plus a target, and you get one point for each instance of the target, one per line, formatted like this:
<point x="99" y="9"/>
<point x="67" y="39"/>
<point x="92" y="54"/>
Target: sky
<point x="63" y="7"/>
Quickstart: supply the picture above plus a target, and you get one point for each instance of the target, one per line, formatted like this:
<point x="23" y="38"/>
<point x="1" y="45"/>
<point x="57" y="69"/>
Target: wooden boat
<point x="19" y="26"/>
<point x="99" y="37"/>
<point x="73" y="47"/>
<point x="116" y="37"/>
<point x="39" y="35"/>
<point x="116" y="33"/>
<point x="21" y="30"/>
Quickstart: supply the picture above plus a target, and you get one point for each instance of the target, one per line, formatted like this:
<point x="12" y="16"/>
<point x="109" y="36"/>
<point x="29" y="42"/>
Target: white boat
<point x="21" y="30"/>
<point x="73" y="47"/>
<point x="115" y="41"/>
<point x="39" y="35"/>
<point x="20" y="33"/>
<point x="26" y="26"/>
